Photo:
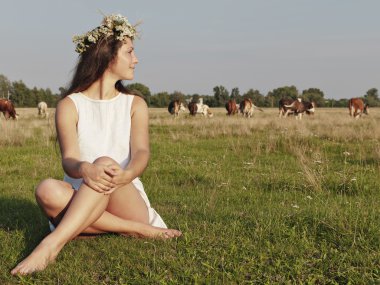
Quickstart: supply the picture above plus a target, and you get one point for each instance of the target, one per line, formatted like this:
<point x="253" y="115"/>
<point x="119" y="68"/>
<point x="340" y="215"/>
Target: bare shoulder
<point x="66" y="104"/>
<point x="66" y="109"/>
<point x="139" y="104"/>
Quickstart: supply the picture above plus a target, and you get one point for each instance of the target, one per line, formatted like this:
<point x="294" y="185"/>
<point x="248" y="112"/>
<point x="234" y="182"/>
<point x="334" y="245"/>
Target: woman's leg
<point x="87" y="208"/>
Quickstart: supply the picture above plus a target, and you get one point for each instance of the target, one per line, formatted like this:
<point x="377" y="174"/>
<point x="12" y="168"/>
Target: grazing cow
<point x="8" y="109"/>
<point x="357" y="107"/>
<point x="231" y="107"/>
<point x="193" y="108"/>
<point x="282" y="110"/>
<point x="298" y="108"/>
<point x="204" y="110"/>
<point x="175" y="107"/>
<point x="42" y="109"/>
<point x="247" y="107"/>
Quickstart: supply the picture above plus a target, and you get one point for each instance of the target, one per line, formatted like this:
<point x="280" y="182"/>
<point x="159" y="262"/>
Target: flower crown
<point x="112" y="25"/>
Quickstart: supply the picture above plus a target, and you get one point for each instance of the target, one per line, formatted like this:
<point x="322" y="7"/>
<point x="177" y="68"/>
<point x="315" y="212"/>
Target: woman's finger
<point x="110" y="170"/>
<point x="108" y="184"/>
<point x="110" y="191"/>
<point x="106" y="177"/>
<point x="103" y="187"/>
<point x="95" y="187"/>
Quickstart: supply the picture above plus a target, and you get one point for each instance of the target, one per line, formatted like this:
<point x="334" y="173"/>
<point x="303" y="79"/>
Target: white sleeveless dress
<point x="104" y="129"/>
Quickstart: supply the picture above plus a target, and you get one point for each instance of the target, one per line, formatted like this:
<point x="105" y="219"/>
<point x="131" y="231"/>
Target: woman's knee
<point x="104" y="160"/>
<point x="49" y="192"/>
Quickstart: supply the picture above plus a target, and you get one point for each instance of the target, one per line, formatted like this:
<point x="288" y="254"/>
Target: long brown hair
<point x="92" y="63"/>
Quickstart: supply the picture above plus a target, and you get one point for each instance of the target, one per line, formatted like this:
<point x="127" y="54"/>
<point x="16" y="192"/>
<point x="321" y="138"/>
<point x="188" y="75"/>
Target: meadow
<point x="259" y="201"/>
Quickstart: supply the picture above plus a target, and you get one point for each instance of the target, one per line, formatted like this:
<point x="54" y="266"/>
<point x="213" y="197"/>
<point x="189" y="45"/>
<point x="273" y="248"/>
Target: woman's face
<point x="124" y="64"/>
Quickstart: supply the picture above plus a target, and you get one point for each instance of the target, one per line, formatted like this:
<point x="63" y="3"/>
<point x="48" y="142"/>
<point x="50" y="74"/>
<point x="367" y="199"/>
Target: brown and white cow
<point x="175" y="107"/>
<point x="231" y="107"/>
<point x="8" y="109"/>
<point x="298" y="108"/>
<point x="282" y="110"/>
<point x="357" y="107"/>
<point x="247" y="107"/>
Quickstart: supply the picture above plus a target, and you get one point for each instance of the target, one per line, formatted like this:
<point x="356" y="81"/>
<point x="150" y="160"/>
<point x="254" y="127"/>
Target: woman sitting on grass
<point x="103" y="136"/>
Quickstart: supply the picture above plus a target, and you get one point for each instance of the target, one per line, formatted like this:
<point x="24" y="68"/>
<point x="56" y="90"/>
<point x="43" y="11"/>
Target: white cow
<point x="42" y="109"/>
<point x="204" y="109"/>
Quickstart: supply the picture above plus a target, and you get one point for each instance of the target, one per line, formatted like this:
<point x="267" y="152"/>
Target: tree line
<point x="23" y="96"/>
<point x="221" y="95"/>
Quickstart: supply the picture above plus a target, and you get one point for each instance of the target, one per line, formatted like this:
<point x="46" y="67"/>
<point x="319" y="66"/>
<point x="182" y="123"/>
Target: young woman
<point x="103" y="136"/>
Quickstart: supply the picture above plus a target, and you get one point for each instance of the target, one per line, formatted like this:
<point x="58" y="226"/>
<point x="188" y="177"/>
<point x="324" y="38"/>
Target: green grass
<point x="259" y="201"/>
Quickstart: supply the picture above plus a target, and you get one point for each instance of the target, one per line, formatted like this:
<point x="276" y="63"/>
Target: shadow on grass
<point x="22" y="215"/>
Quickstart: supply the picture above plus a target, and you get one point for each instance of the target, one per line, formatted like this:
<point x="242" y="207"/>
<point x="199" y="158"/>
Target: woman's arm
<point x="140" y="151"/>
<point x="98" y="177"/>
<point x="66" y="119"/>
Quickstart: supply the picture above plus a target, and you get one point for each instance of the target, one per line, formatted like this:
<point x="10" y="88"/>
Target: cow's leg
<point x="352" y="112"/>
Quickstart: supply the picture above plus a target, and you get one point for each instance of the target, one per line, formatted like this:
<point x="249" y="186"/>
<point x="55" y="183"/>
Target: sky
<point x="193" y="46"/>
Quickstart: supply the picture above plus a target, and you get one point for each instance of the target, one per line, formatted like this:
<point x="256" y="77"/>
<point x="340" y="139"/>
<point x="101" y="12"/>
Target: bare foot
<point x="38" y="260"/>
<point x="148" y="231"/>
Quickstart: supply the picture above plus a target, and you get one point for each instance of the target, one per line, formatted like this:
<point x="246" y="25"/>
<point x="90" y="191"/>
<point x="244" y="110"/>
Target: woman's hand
<point x="120" y="177"/>
<point x="98" y="176"/>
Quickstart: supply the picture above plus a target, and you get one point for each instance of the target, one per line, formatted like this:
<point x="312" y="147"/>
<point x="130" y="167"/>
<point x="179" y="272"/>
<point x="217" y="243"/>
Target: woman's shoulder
<point x="138" y="103"/>
<point x="67" y="106"/>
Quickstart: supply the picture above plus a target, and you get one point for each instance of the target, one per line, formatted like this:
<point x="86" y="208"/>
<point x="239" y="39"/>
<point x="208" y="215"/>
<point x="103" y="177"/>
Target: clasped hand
<point x="104" y="178"/>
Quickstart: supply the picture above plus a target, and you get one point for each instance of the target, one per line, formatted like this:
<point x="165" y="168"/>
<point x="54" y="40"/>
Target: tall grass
<point x="260" y="201"/>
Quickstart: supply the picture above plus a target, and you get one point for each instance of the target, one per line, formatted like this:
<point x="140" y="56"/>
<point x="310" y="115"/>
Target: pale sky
<point x="192" y="46"/>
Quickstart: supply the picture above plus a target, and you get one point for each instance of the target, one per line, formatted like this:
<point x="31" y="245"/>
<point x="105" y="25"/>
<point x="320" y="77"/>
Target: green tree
<point x="235" y="94"/>
<point x="161" y="99"/>
<point x="275" y="95"/>
<point x="195" y="98"/>
<point x="372" y="97"/>
<point x="209" y="100"/>
<point x="5" y="86"/>
<point x="144" y="90"/>
<point x="177" y="95"/>
<point x="221" y="95"/>
<point x="20" y="93"/>
<point x="314" y="95"/>
<point x="257" y="98"/>
<point x="62" y="90"/>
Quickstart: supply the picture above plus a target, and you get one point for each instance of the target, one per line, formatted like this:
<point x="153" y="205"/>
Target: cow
<point x="282" y="110"/>
<point x="175" y="107"/>
<point x="193" y="108"/>
<point x="42" y="109"/>
<point x="357" y="107"/>
<point x="298" y="108"/>
<point x="204" y="110"/>
<point x="231" y="107"/>
<point x="8" y="109"/>
<point x="247" y="107"/>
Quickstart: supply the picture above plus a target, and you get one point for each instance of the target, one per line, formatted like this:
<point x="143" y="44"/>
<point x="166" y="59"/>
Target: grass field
<point x="259" y="201"/>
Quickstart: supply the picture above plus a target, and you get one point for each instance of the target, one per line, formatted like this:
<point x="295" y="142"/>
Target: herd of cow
<point x="8" y="109"/>
<point x="246" y="108"/>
